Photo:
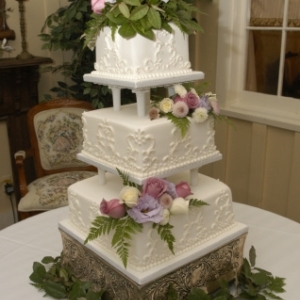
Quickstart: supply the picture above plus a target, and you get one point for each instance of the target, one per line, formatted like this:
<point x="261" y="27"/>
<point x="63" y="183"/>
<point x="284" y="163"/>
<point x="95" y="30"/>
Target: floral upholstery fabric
<point x="50" y="192"/>
<point x="59" y="134"/>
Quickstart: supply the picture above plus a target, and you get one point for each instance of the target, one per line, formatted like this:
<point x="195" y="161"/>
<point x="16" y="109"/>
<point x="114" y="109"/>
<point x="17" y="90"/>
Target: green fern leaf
<point x="101" y="225"/>
<point x="165" y="233"/>
<point x="197" y="203"/>
<point x="183" y="124"/>
<point x="124" y="230"/>
<point x="126" y="180"/>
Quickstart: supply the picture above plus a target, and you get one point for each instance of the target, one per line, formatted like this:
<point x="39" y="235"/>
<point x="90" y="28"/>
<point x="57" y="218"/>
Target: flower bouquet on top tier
<point x="131" y="17"/>
<point x="155" y="201"/>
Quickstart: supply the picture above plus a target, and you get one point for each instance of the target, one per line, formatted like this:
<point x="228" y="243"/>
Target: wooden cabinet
<point x="18" y="93"/>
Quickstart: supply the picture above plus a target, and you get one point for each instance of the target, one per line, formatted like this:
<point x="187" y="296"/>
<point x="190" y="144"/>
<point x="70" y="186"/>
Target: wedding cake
<point x="149" y="219"/>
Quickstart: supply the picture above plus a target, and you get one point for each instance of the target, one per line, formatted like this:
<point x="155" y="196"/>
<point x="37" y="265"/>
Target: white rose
<point x="179" y="206"/>
<point x="200" y="115"/>
<point x="180" y="90"/>
<point x="194" y="92"/>
<point x="211" y="96"/>
<point x="165" y="216"/>
<point x="129" y="195"/>
<point x="166" y="105"/>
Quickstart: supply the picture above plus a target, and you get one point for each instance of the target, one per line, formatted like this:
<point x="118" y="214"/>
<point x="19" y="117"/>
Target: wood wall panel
<point x="279" y="154"/>
<point x="257" y="164"/>
<point x="261" y="164"/>
<point x="293" y="207"/>
<point x="239" y="152"/>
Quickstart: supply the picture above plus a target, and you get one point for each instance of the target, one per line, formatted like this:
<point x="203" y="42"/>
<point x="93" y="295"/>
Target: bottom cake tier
<point x="220" y="258"/>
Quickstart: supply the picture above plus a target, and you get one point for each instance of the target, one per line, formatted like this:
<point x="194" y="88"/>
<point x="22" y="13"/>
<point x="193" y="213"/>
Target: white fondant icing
<point x="147" y="250"/>
<point x="141" y="58"/>
<point x="143" y="148"/>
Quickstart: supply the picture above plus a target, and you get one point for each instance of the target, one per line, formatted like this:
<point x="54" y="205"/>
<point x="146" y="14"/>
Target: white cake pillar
<point x="143" y="101"/>
<point x="116" y="93"/>
<point x="101" y="176"/>
<point x="194" y="177"/>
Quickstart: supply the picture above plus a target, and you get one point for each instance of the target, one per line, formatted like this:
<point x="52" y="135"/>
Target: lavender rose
<point x="154" y="187"/>
<point x="113" y="208"/>
<point x="204" y="102"/>
<point x="183" y="189"/>
<point x="191" y="100"/>
<point x="148" y="209"/>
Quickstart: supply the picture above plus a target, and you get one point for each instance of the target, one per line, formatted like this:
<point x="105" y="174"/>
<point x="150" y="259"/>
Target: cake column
<point x="116" y="93"/>
<point x="143" y="101"/>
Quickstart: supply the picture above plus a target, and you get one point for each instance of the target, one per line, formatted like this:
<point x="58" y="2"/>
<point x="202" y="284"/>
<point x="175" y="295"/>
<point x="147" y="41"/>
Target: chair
<point x="55" y="129"/>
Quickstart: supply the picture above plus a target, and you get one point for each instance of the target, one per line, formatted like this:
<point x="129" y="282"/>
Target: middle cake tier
<point x="143" y="148"/>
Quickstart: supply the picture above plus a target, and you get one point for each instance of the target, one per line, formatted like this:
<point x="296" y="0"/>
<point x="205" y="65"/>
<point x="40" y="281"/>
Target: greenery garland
<point x="58" y="282"/>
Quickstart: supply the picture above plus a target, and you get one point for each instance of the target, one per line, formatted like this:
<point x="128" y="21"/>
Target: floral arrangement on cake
<point x="131" y="17"/>
<point x="184" y="106"/>
<point x="155" y="201"/>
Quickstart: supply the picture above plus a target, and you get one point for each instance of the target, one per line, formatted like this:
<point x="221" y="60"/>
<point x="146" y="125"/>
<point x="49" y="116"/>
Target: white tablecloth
<point x="276" y="240"/>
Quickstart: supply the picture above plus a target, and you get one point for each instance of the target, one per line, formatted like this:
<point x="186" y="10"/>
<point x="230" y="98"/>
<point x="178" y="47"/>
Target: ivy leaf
<point x="133" y="2"/>
<point x="171" y="293"/>
<point x="197" y="203"/>
<point x="154" y="18"/>
<point x="197" y="294"/>
<point x="183" y="124"/>
<point x="252" y="256"/>
<point x="139" y="12"/>
<point x="55" y="290"/>
<point x="127" y="31"/>
<point x="124" y="10"/>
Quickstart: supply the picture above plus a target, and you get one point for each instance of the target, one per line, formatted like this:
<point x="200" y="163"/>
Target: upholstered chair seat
<point x="56" y="137"/>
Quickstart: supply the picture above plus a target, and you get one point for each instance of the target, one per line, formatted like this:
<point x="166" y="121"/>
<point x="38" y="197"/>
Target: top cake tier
<point x="143" y="148"/>
<point x="139" y="62"/>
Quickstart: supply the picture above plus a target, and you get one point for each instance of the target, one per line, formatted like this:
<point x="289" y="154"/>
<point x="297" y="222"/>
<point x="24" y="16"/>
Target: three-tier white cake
<point x="208" y="241"/>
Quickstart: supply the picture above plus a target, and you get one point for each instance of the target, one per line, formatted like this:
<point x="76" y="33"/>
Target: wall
<point x="36" y="12"/>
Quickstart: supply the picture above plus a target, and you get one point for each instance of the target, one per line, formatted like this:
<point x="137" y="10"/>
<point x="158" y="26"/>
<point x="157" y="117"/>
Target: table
<point x="275" y="238"/>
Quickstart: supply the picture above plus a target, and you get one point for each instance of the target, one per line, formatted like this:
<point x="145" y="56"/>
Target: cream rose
<point x="165" y="216"/>
<point x="166" y="105"/>
<point x="180" y="90"/>
<point x="129" y="195"/>
<point x="179" y="206"/>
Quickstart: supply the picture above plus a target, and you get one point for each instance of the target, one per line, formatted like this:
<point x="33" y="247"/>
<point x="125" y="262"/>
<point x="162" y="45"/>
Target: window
<point x="258" y="66"/>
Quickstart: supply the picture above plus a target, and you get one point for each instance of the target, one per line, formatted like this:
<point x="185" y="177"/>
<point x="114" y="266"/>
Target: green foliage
<point x="197" y="203"/>
<point x="183" y="124"/>
<point x="131" y="17"/>
<point x="63" y="30"/>
<point x="124" y="228"/>
<point x="165" y="233"/>
<point x="58" y="281"/>
<point x="126" y="180"/>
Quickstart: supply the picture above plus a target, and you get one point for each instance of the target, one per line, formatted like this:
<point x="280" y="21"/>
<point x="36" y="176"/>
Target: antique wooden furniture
<point x="55" y="131"/>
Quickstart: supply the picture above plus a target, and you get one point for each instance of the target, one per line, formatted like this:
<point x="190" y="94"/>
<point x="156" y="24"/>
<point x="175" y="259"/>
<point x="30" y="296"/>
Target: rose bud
<point x="183" y="189"/>
<point x="113" y="208"/>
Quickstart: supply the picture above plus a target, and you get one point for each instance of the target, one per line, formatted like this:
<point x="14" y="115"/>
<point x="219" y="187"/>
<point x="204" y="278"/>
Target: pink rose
<point x="97" y="6"/>
<point x="215" y="107"/>
<point x="113" y="208"/>
<point x="177" y="98"/>
<point x="166" y="200"/>
<point x="191" y="100"/>
<point x="183" y="189"/>
<point x="154" y="187"/>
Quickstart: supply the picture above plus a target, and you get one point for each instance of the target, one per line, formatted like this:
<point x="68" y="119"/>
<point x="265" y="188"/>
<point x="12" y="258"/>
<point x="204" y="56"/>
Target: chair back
<point x="55" y="129"/>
